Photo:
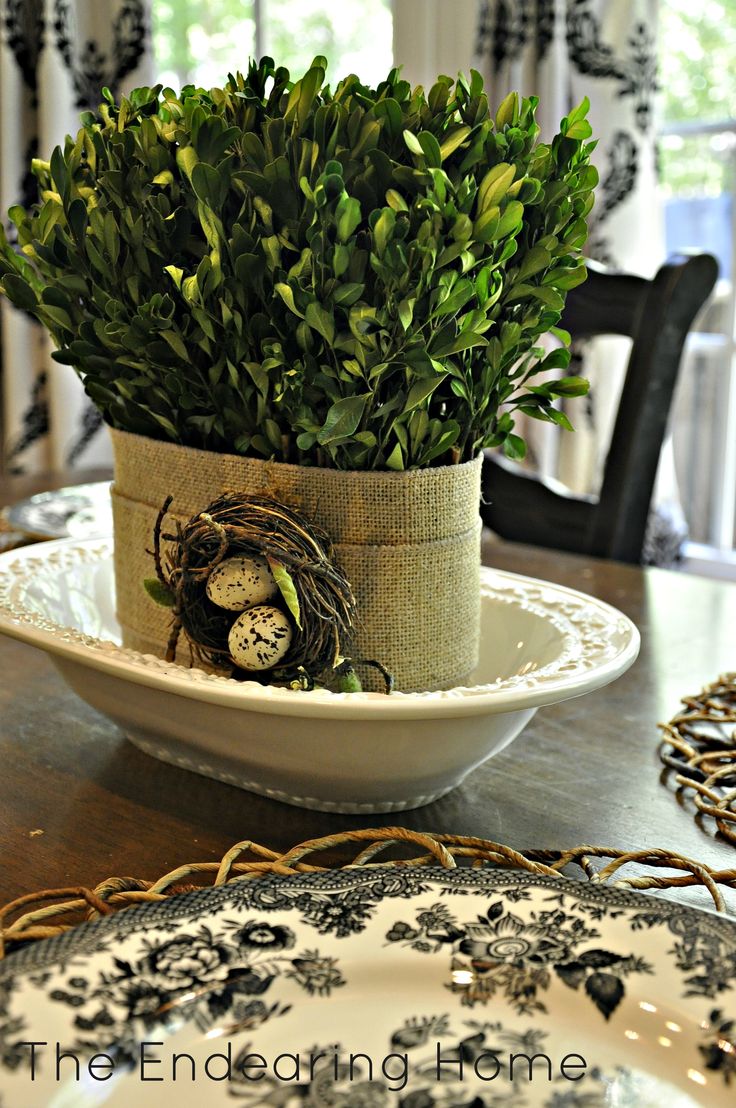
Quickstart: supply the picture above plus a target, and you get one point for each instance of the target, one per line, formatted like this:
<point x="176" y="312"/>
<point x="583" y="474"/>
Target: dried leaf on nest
<point x="314" y="589"/>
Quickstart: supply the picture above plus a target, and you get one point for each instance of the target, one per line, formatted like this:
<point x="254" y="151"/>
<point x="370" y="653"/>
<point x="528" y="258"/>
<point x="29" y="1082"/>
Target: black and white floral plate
<point x="80" y="511"/>
<point x="414" y="988"/>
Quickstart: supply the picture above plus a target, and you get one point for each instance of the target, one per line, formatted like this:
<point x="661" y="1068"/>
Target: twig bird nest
<point x="253" y="586"/>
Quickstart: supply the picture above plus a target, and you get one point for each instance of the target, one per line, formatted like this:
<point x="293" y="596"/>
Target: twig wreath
<point x="699" y="744"/>
<point x="50" y="912"/>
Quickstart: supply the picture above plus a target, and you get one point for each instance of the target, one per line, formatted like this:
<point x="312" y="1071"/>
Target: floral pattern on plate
<point x="354" y="977"/>
<point x="500" y="953"/>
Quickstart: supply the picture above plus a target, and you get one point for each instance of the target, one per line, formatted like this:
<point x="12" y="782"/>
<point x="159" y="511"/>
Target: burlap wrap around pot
<point x="408" y="542"/>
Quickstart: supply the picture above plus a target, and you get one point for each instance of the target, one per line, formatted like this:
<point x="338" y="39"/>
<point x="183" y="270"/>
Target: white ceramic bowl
<point x="347" y="752"/>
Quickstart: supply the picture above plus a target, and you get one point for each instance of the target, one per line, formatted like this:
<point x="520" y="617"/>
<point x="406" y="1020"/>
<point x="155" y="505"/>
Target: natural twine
<point x="51" y="912"/>
<point x="699" y="744"/>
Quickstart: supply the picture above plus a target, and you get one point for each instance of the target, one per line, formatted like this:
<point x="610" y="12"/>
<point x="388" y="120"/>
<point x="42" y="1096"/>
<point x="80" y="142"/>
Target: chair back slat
<point x="657" y="316"/>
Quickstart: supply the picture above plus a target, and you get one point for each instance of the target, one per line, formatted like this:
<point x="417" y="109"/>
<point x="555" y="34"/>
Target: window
<point x="698" y="175"/>
<point x="201" y="42"/>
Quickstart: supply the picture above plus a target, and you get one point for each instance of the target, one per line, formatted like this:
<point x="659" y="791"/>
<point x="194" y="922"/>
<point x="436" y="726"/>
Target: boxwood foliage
<point x="355" y="278"/>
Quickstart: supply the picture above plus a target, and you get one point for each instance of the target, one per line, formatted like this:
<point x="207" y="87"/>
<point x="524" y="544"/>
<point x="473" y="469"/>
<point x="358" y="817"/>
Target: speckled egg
<point x="259" y="638"/>
<point x="239" y="583"/>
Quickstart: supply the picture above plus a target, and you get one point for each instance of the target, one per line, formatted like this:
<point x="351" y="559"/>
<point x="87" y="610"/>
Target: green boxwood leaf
<point x="342" y="420"/>
<point x="19" y="292"/>
<point x="430" y="148"/>
<point x="287" y="295"/>
<point x="514" y="448"/>
<point x="422" y="390"/>
<point x="395" y="459"/>
<point x="580" y="130"/>
<point x="348" y="217"/>
<point x="413" y="143"/>
<point x="396" y="201"/>
<point x="465" y="341"/>
<point x="495" y="185"/>
<point x="510" y="219"/>
<point x="186" y="159"/>
<point x="570" y="386"/>
<point x="317" y="317"/>
<point x="508" y="112"/>
<point x="453" y="139"/>
<point x="383" y="229"/>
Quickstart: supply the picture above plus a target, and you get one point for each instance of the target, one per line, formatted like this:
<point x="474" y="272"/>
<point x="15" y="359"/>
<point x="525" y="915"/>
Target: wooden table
<point x="585" y="771"/>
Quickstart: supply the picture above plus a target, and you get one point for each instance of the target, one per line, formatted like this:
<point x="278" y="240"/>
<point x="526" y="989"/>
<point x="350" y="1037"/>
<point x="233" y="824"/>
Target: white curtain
<point x="55" y="56"/>
<point x="434" y="36"/>
<point x="562" y="50"/>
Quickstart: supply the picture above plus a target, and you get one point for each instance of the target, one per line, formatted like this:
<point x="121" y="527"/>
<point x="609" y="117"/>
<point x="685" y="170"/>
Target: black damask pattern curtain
<point x="561" y="51"/>
<point x="55" y="56"/>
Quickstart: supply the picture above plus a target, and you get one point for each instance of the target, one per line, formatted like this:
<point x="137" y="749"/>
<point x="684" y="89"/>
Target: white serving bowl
<point x="339" y="752"/>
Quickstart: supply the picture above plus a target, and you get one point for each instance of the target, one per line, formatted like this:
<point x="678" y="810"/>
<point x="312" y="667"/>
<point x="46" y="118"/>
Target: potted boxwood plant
<point x="331" y="296"/>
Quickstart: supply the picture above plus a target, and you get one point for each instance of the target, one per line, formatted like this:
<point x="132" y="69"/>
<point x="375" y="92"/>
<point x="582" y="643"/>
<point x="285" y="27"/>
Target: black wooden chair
<point x="656" y="314"/>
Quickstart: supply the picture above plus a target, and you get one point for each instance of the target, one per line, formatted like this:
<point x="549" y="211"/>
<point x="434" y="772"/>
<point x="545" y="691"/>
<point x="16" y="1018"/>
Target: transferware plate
<point x="385" y="988"/>
<point x="80" y="511"/>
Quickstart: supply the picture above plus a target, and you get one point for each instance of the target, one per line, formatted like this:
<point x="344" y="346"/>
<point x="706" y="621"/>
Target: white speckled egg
<point x="259" y="638"/>
<point x="239" y="583"/>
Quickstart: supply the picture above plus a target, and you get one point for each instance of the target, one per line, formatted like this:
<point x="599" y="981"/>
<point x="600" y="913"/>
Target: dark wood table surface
<point x="584" y="771"/>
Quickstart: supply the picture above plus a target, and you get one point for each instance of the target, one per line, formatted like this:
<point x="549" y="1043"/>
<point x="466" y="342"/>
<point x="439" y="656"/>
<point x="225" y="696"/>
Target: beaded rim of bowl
<point x="600" y="643"/>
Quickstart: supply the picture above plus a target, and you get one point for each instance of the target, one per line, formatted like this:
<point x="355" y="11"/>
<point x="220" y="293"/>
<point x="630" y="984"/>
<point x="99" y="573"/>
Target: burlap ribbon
<point x="408" y="542"/>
